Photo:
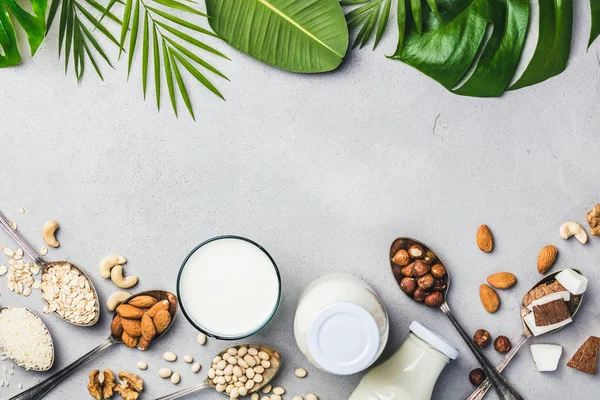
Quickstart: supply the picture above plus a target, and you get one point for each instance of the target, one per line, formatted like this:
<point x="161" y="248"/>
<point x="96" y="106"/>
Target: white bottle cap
<point x="343" y="339"/>
<point x="434" y="340"/>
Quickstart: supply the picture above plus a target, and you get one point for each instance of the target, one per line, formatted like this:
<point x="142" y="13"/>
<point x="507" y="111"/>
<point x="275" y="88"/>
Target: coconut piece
<point x="586" y="358"/>
<point x="546" y="356"/>
<point x="564" y="295"/>
<point x="541" y="291"/>
<point x="540" y="330"/>
<point x="573" y="281"/>
<point x="551" y="313"/>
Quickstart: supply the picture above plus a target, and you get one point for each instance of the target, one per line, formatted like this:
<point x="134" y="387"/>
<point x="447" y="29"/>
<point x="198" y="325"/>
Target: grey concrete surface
<point x="324" y="171"/>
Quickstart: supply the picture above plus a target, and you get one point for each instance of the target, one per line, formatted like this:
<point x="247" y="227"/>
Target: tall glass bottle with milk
<point x="411" y="373"/>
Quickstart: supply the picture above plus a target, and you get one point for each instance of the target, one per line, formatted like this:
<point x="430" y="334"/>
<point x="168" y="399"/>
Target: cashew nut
<point x="48" y="231"/>
<point x="108" y="263"/>
<point x="569" y="229"/>
<point x="123" y="282"/>
<point x="115" y="299"/>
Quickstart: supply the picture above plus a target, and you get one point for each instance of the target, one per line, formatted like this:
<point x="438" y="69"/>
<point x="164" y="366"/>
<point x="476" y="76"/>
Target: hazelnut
<point x="438" y="270"/>
<point x="426" y="282"/>
<point x="401" y="258"/>
<point x="434" y="299"/>
<point x="502" y="344"/>
<point x="420" y="268"/>
<point x="430" y="256"/>
<point x="408" y="285"/>
<point x="416" y="251"/>
<point x="408" y="270"/>
<point x="419" y="295"/>
<point x="439" y="285"/>
<point x="477" y="376"/>
<point x="482" y="338"/>
<point x="397" y="271"/>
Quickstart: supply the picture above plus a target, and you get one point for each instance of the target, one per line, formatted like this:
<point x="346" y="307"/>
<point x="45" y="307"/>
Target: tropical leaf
<point x="299" y="36"/>
<point x="595" y="31"/>
<point x="33" y="25"/>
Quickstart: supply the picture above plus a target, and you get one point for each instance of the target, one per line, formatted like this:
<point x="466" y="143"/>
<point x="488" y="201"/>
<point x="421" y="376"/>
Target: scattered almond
<point x="485" y="240"/>
<point x="489" y="298"/>
<point x="502" y="280"/>
<point x="546" y="258"/>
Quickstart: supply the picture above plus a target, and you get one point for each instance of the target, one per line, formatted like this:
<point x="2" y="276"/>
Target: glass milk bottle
<point x="411" y="373"/>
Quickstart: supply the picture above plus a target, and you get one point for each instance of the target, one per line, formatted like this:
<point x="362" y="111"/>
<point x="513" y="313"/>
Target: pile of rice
<point x="25" y="339"/>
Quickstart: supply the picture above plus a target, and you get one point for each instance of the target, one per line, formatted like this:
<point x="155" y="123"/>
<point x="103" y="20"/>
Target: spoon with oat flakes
<point x="66" y="289"/>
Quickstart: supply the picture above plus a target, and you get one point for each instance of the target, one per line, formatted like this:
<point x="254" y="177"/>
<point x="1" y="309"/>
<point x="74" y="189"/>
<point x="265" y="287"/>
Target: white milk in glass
<point x="229" y="288"/>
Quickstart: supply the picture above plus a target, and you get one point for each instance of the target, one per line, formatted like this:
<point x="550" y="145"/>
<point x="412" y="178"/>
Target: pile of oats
<point x="68" y="293"/>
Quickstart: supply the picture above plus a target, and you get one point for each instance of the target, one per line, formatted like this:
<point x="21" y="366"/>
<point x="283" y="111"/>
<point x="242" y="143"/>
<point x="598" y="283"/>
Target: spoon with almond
<point x="258" y="363"/>
<point x="57" y="276"/>
<point x="548" y="294"/>
<point x="160" y="308"/>
<point x="422" y="275"/>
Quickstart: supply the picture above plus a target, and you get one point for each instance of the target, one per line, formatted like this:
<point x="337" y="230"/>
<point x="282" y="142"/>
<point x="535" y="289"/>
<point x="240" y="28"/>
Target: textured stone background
<point x="324" y="171"/>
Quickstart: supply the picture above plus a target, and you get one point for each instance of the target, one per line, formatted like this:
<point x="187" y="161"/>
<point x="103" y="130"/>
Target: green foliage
<point x="595" y="31"/>
<point x="300" y="36"/>
<point x="33" y="25"/>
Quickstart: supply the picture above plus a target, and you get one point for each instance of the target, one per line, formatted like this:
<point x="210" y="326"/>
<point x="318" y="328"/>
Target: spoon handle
<point x="504" y="389"/>
<point x="41" y="389"/>
<point x="21" y="241"/>
<point x="480" y="392"/>
<point x="184" y="392"/>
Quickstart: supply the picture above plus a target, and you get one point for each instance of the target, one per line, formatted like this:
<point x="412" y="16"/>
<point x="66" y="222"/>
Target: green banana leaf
<point x="33" y="25"/>
<point x="299" y="36"/>
<point x="595" y="31"/>
<point x="458" y="49"/>
<point x="551" y="54"/>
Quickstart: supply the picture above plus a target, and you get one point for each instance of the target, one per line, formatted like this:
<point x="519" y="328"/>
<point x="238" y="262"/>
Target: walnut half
<point x="94" y="387"/>
<point x="593" y="218"/>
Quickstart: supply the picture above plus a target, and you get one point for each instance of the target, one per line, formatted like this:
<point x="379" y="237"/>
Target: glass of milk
<point x="229" y="287"/>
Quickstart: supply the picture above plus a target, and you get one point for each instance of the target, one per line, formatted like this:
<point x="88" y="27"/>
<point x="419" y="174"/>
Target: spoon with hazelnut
<point x="547" y="285"/>
<point x="422" y="275"/>
<point x="162" y="299"/>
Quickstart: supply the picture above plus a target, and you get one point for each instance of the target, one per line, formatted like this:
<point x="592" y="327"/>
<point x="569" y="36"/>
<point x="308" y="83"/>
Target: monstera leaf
<point x="33" y="25"/>
<point x="298" y="36"/>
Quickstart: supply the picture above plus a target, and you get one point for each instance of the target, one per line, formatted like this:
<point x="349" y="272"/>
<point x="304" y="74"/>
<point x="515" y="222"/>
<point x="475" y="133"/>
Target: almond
<point x="148" y="328"/>
<point x="129" y="340"/>
<point x="502" y="280"/>
<point x="142" y="301"/>
<point x="485" y="240"/>
<point x="133" y="327"/>
<point x="162" y="319"/>
<point x="128" y="311"/>
<point x="161" y="305"/>
<point x="116" y="328"/>
<point x="143" y="344"/>
<point x="489" y="298"/>
<point x="546" y="258"/>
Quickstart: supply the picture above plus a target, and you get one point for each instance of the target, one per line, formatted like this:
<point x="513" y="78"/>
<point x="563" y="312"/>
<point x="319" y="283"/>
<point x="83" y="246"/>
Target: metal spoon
<point x="504" y="389"/>
<point x="573" y="305"/>
<point x="45" y="266"/>
<point x="41" y="389"/>
<point x="268" y="375"/>
<point x="49" y="336"/>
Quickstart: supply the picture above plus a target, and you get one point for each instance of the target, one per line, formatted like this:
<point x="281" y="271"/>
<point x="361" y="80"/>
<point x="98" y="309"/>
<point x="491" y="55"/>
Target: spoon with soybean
<point x="46" y="267"/>
<point x="41" y="389"/>
<point x="573" y="304"/>
<point x="208" y="383"/>
<point x="503" y="388"/>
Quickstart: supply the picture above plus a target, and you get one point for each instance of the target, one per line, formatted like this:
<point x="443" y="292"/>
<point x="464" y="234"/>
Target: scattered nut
<point x="311" y="396"/>
<point x="484" y="238"/>
<point x="22" y="210"/>
<point x="188" y="359"/>
<point x="477" y="376"/>
<point x="115" y="299"/>
<point x="43" y="251"/>
<point x="196" y="367"/>
<point x="201" y="339"/>
<point x="571" y="228"/>
<point x="297" y="398"/>
<point x="141" y="365"/>
<point x="165" y="373"/>
<point x="489" y="298"/>
<point x="593" y="218"/>
<point x="502" y="344"/>
<point x="267" y="389"/>
<point x="175" y="378"/>
<point x="502" y="280"/>
<point x="482" y="338"/>
<point x="546" y="258"/>
<point x="169" y="356"/>
<point x="48" y="233"/>
<point x="116" y="275"/>
<point x="300" y="372"/>
<point x="13" y="225"/>
<point x="108" y="262"/>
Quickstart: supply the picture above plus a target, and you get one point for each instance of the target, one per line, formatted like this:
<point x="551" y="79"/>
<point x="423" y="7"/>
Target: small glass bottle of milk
<point x="411" y="373"/>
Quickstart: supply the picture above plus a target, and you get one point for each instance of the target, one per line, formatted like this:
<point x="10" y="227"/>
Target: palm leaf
<point x="299" y="36"/>
<point x="125" y="25"/>
<point x="156" y="57"/>
<point x="33" y="25"/>
<point x="198" y="75"/>
<point x="145" y="48"/>
<point x="169" y="76"/>
<point x="181" y="85"/>
<point x="134" y="34"/>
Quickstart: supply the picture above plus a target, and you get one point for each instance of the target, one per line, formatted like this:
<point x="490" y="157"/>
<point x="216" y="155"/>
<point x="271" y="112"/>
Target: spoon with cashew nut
<point x="418" y="253"/>
<point x="164" y="301"/>
<point x="546" y="286"/>
<point x="48" y="269"/>
<point x="240" y="362"/>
